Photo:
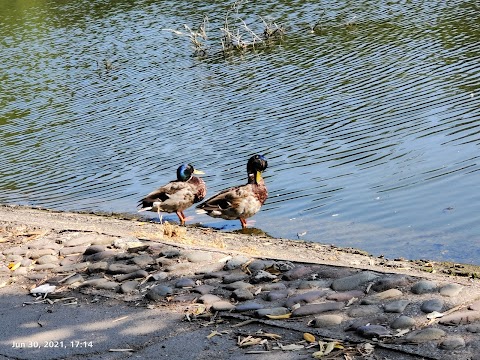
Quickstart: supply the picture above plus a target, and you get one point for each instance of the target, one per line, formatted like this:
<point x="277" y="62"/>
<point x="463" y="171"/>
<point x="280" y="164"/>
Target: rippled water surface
<point x="370" y="122"/>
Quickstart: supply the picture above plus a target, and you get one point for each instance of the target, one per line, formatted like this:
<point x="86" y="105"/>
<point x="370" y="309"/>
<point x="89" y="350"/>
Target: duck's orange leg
<point x="181" y="217"/>
<point x="243" y="222"/>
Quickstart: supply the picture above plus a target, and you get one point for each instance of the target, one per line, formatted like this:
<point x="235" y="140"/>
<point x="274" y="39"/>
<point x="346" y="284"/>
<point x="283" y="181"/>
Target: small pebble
<point x="222" y="305"/>
<point x="397" y="306"/>
<point x="209" y="299"/>
<point x="159" y="275"/>
<point x="271" y="311"/>
<point x="42" y="267"/>
<point x="72" y="268"/>
<point x="403" y="322"/>
<point x="81" y="240"/>
<point x="262" y="276"/>
<point x="179" y="267"/>
<point x="460" y="318"/>
<point x="133" y="275"/>
<point x="452" y="342"/>
<point x="297" y="273"/>
<point x="377" y="319"/>
<point x="77" y="278"/>
<point x="102" y="240"/>
<point x="314" y="284"/>
<point x="14" y="258"/>
<point x="143" y="260"/>
<point x="373" y="331"/>
<point x="47" y="259"/>
<point x="475" y="306"/>
<point x="473" y="328"/>
<point x="159" y="292"/>
<point x="363" y="310"/>
<point x="72" y="259"/>
<point x="102" y="255"/>
<point x="210" y="268"/>
<point x="129" y="287"/>
<point x="346" y="296"/>
<point x="238" y="285"/>
<point x="185" y="298"/>
<point x="312" y="309"/>
<point x="380" y="297"/>
<point x="163" y="261"/>
<point x="390" y="282"/>
<point x="277" y="295"/>
<point x="451" y="290"/>
<point x="242" y="295"/>
<point x="94" y="249"/>
<point x="28" y="262"/>
<point x="124" y="256"/>
<point x="257" y="264"/>
<point x="284" y="265"/>
<point x="248" y="306"/>
<point x="136" y="248"/>
<point x="198" y="256"/>
<point x="353" y="281"/>
<point x="323" y="321"/>
<point x="234" y="277"/>
<point x="122" y="268"/>
<point x="423" y="287"/>
<point x="97" y="267"/>
<point x="170" y="253"/>
<point x="72" y="250"/>
<point x="203" y="289"/>
<point x="38" y="253"/>
<point x="304" y="298"/>
<point x="100" y="284"/>
<point x="432" y="305"/>
<point x="424" y="335"/>
<point x="273" y="286"/>
<point x="235" y="262"/>
<point x="126" y="243"/>
<point x="185" y="283"/>
<point x="17" y="250"/>
<point x="23" y="270"/>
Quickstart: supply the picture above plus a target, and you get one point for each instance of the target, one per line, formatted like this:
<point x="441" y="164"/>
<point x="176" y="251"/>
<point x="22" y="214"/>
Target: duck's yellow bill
<point x="198" y="172"/>
<point x="258" y="176"/>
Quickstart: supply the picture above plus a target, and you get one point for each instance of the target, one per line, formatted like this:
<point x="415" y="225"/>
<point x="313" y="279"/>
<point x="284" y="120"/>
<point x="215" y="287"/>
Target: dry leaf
<point x="330" y="346"/>
<point x="278" y="317"/>
<point x="13" y="266"/>
<point x="402" y="332"/>
<point x="309" y="337"/>
<point x="434" y="315"/>
<point x="249" y="341"/>
<point x="291" y="347"/>
<point x="213" y="333"/>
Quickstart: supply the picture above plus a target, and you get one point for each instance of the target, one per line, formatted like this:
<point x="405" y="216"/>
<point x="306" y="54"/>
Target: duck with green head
<point x="178" y="195"/>
<point x="240" y="202"/>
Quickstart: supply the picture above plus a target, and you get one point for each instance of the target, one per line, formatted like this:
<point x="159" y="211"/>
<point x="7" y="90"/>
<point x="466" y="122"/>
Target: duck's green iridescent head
<point x="185" y="172"/>
<point x="256" y="164"/>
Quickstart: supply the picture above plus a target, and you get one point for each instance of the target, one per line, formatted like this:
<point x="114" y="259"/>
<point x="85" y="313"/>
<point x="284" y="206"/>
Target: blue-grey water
<point x="368" y="113"/>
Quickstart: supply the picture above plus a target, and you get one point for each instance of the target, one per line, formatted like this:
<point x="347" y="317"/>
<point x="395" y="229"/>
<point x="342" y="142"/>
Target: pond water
<point x="367" y="111"/>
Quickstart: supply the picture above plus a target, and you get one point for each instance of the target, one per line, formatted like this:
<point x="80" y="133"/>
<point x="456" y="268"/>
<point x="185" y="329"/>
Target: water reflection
<point x="370" y="123"/>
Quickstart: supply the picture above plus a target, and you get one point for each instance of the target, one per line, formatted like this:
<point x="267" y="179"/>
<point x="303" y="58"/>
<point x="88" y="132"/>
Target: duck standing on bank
<point x="240" y="202"/>
<point x="178" y="195"/>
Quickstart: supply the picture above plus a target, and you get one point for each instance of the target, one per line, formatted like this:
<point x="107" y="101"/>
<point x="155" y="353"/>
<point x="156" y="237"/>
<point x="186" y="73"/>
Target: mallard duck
<point x="178" y="195"/>
<point x="240" y="202"/>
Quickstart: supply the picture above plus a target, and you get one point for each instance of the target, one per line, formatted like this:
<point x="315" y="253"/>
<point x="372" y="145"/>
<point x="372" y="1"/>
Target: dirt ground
<point x="169" y="336"/>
